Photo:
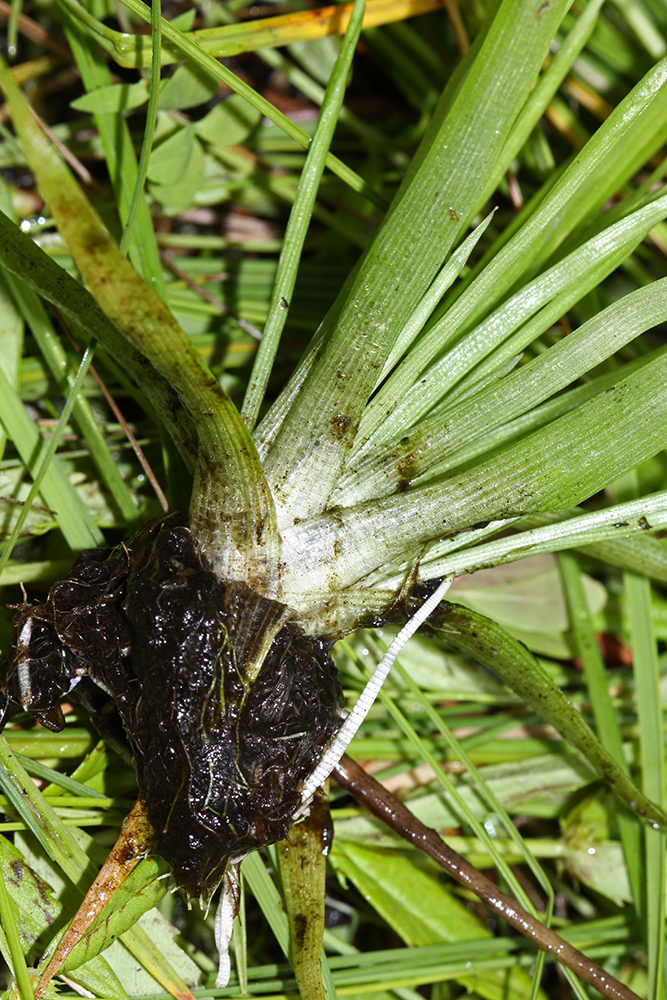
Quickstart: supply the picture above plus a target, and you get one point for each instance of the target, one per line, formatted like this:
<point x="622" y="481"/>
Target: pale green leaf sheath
<point x="429" y="215"/>
<point x="231" y="506"/>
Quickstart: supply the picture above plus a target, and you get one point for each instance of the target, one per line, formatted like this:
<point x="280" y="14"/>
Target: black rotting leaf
<point x="224" y="703"/>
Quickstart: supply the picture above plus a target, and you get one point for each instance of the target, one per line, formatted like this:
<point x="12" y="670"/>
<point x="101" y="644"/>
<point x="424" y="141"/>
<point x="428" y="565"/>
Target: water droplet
<point x="490" y="827"/>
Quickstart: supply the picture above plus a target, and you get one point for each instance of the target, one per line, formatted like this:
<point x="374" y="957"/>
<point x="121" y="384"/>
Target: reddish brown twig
<point x="398" y="817"/>
<point x="167" y="259"/>
<point x="136" y="447"/>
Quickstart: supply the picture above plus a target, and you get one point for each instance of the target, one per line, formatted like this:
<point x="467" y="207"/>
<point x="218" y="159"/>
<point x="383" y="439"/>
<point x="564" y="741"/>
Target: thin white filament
<point x="349" y="728"/>
<point x="224" y="920"/>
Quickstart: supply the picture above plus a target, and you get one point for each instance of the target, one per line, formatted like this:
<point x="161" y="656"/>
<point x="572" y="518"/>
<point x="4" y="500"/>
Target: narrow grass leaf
<point x="57" y="492"/>
<point x="40" y="818"/>
<point x="49" y="455"/>
<point x="263" y="889"/>
<point x="37" y="909"/>
<point x="652" y="756"/>
<point x="413" y="454"/>
<point x="11" y="344"/>
<point x="606" y="720"/>
<point x="632" y="133"/>
<point x="119" y="154"/>
<point x="556" y="467"/>
<point x="544" y="91"/>
<point x="14" y="952"/>
<point x="136" y="213"/>
<point x="402" y="402"/>
<point x="555" y="532"/>
<point x="183" y="44"/>
<point x="421" y="910"/>
<point x="450" y="789"/>
<point x="56" y="360"/>
<point x="427" y="218"/>
<point x="509" y="659"/>
<point x="134" y="50"/>
<point x="299" y="220"/>
<point x="449" y="272"/>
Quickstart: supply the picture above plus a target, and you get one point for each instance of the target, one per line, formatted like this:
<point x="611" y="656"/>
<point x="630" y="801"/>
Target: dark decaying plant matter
<point x="224" y="702"/>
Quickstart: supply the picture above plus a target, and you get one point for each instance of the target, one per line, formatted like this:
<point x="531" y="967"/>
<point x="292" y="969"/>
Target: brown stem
<point x="398" y="817"/>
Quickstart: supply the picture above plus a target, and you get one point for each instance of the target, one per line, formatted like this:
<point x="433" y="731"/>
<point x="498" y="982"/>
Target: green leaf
<point x="57" y="492"/>
<point x="229" y="123"/>
<point x="527" y="595"/>
<point x="181" y="44"/>
<point x="558" y="466"/>
<point x="141" y="891"/>
<point x="171" y="159"/>
<point x="592" y="856"/>
<point x="232" y="510"/>
<point x="495" y="649"/>
<point x="264" y="890"/>
<point x="189" y="87"/>
<point x="177" y="171"/>
<point x="299" y="221"/>
<point x="421" y="910"/>
<point x="303" y="875"/>
<point x="11" y="326"/>
<point x="56" y="359"/>
<point x="429" y="215"/>
<point x="34" y="906"/>
<point x="522" y="787"/>
<point x="184" y="20"/>
<point x="113" y="98"/>
<point x="120" y="156"/>
<point x="99" y="978"/>
<point x="412" y="392"/>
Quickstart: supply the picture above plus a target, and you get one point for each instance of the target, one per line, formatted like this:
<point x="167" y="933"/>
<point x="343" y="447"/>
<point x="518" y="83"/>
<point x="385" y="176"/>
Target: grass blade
<point x="427" y="218"/>
<point x="299" y="220"/>
<point x="509" y="659"/>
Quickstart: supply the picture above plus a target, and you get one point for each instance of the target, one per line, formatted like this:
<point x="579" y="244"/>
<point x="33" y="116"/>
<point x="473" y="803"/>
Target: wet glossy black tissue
<point x="223" y="724"/>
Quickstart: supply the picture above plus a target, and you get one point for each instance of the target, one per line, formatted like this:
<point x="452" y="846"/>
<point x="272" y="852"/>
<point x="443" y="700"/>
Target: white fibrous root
<point x="224" y="920"/>
<point x="365" y="702"/>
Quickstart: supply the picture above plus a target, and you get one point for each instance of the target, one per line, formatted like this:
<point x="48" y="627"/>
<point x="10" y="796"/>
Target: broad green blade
<point x="428" y="217"/>
<point x="386" y="470"/>
<point x="140" y="891"/>
<point x="556" y="467"/>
